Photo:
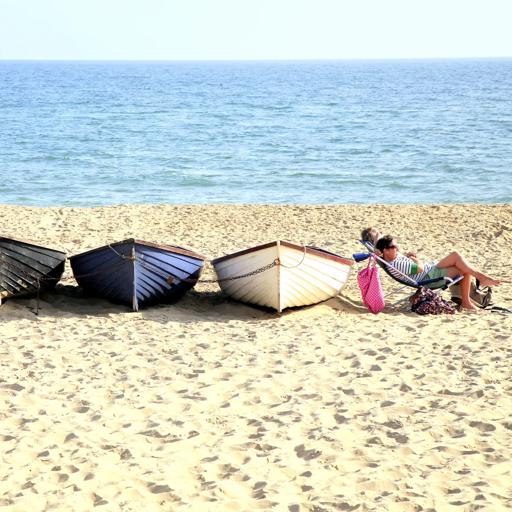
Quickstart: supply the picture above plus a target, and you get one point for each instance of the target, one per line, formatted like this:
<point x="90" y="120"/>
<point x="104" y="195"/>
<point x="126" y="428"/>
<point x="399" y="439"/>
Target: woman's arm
<point x="408" y="266"/>
<point x="419" y="264"/>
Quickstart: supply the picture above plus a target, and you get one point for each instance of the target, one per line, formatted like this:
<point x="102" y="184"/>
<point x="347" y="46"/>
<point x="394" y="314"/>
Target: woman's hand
<point x="412" y="256"/>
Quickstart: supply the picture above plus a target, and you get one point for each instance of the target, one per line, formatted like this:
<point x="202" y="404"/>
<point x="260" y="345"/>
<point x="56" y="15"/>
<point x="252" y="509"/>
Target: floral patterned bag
<point x="427" y="302"/>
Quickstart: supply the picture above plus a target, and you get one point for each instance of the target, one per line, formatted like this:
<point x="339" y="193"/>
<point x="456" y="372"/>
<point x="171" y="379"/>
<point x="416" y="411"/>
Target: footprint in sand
<point x="305" y="454"/>
<point x="482" y="426"/>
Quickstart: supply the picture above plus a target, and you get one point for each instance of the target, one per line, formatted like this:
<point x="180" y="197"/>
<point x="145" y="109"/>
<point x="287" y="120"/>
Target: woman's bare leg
<point x="465" y="287"/>
<point x="455" y="259"/>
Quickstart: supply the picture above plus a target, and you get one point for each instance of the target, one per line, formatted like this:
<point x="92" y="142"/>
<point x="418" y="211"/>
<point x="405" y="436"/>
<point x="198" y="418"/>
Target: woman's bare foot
<point x="468" y="306"/>
<point x="487" y="281"/>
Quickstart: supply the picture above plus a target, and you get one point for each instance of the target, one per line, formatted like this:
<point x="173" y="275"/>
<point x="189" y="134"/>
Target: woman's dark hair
<point x="384" y="242"/>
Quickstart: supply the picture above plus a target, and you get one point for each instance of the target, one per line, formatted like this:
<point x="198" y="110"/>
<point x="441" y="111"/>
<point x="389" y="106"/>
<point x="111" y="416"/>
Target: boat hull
<point x="300" y="276"/>
<point x="137" y="273"/>
<point x="27" y="268"/>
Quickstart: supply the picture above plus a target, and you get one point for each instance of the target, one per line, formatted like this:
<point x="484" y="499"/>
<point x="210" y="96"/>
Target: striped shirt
<point x="406" y="266"/>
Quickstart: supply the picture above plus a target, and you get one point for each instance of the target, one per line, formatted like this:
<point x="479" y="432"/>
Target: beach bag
<point x="427" y="302"/>
<point x="371" y="290"/>
<point x="481" y="297"/>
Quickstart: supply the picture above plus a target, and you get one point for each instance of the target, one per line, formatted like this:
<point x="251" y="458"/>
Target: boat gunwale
<point x="32" y="243"/>
<point x="168" y="248"/>
<point x="309" y="250"/>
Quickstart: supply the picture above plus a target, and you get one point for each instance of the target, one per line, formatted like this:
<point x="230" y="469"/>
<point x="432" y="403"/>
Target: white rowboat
<point x="293" y="275"/>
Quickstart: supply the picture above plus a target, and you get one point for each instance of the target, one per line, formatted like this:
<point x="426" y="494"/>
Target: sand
<point x="213" y="405"/>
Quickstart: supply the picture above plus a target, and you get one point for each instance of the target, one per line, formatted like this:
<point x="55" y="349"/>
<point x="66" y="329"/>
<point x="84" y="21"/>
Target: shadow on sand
<point x="194" y="306"/>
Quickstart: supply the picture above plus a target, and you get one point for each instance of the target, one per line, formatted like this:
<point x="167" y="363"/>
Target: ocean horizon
<point x="91" y="133"/>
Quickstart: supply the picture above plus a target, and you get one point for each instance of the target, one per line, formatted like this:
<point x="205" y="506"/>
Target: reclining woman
<point x="450" y="266"/>
<point x="371" y="235"/>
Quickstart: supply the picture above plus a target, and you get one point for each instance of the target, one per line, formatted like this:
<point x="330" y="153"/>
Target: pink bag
<point x="371" y="289"/>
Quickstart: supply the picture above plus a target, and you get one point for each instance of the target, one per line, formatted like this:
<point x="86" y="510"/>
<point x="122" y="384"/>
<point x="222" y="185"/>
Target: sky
<point x="253" y="29"/>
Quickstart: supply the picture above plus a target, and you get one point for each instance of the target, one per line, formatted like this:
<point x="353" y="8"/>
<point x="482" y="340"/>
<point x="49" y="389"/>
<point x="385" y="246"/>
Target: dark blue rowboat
<point x="28" y="268"/>
<point x="136" y="272"/>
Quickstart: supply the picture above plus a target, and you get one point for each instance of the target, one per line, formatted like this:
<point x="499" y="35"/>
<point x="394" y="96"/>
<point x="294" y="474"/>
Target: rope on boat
<point x="97" y="272"/>
<point x="122" y="256"/>
<point x="274" y="263"/>
<point x="38" y="303"/>
<point x="27" y="283"/>
<point x="170" y="277"/>
<point x="300" y="262"/>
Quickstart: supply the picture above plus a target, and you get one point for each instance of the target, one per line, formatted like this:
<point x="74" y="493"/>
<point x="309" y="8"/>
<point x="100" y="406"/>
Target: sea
<point x="313" y="132"/>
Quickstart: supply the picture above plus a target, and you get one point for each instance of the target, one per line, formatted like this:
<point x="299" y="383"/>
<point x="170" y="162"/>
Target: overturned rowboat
<point x="27" y="268"/>
<point x="136" y="272"/>
<point x="282" y="274"/>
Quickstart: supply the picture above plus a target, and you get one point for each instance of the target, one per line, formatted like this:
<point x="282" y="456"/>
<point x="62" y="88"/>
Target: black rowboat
<point x="136" y="272"/>
<point x="28" y="268"/>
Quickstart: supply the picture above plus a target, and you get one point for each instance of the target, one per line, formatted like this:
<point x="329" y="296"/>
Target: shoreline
<point x="210" y="404"/>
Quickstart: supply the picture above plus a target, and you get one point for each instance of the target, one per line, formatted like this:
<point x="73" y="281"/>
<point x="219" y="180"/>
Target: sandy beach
<point x="213" y="405"/>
